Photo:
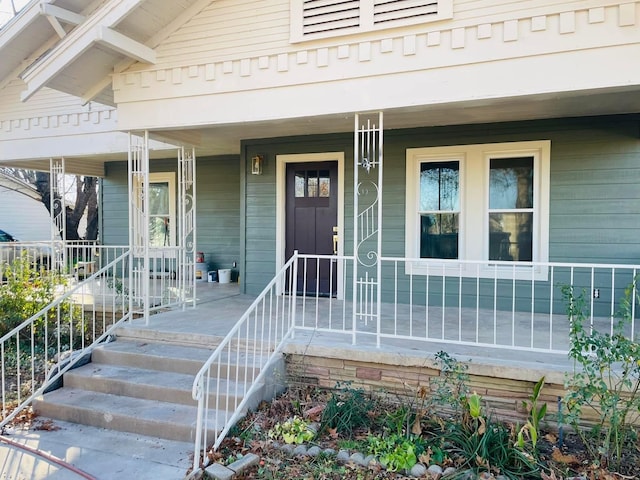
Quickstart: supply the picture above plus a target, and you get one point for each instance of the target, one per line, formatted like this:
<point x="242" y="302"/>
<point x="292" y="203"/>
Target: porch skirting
<point x="398" y="377"/>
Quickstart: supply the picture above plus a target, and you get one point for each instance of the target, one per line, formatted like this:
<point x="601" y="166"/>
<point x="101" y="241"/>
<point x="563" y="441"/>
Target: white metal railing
<point x="163" y="279"/>
<point x="37" y="352"/>
<point x="518" y="306"/>
<point x="239" y="365"/>
<point x="79" y="258"/>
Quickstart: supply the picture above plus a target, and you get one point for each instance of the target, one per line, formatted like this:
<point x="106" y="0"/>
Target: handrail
<point x="268" y="340"/>
<point x="27" y="329"/>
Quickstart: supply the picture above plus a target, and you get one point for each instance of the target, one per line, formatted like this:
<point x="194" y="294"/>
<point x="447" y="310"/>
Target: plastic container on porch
<point x="224" y="275"/>
<point x="212" y="276"/>
<point x="201" y="272"/>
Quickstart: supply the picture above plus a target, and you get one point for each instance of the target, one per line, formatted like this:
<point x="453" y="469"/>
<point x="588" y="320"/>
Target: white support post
<point x="57" y="209"/>
<point x="367" y="221"/>
<point x="138" y="169"/>
<point x="187" y="209"/>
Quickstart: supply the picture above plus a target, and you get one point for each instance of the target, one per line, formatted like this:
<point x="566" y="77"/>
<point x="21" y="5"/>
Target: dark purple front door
<point x="312" y="213"/>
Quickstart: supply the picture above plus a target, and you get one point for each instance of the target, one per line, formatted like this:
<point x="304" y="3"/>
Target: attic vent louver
<point x="392" y="10"/>
<point x="315" y="19"/>
<point x="330" y="15"/>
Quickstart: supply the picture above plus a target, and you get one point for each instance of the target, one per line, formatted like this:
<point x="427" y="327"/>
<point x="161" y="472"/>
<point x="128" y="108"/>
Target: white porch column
<point x="138" y="180"/>
<point x="187" y="221"/>
<point x="367" y="221"/>
<point x="57" y="209"/>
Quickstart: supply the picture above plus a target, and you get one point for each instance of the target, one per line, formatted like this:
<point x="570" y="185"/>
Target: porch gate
<point x="367" y="221"/>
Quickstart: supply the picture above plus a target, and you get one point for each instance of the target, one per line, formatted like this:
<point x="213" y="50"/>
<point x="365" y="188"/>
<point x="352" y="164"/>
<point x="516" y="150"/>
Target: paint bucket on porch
<point x="201" y="272"/>
<point x="212" y="276"/>
<point x="224" y="275"/>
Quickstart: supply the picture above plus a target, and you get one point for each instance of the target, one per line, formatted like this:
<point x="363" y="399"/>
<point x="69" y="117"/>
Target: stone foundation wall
<point x="399" y="378"/>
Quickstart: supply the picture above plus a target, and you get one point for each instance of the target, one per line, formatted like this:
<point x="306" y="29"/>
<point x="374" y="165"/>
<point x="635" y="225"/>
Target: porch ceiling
<point x="225" y="139"/>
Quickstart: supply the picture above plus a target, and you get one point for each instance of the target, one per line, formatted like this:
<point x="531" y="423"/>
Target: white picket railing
<point x="518" y="306"/>
<point x="36" y="353"/>
<point x="240" y="364"/>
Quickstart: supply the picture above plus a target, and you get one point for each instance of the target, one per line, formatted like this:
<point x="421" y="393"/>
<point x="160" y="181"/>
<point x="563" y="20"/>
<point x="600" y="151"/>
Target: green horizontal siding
<point x="594" y="192"/>
<point x="217" y="206"/>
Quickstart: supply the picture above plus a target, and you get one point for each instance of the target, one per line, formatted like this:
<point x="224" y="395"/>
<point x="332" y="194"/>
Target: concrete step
<point x="175" y="337"/>
<point x="172" y="358"/>
<point x="151" y="384"/>
<point x="171" y="421"/>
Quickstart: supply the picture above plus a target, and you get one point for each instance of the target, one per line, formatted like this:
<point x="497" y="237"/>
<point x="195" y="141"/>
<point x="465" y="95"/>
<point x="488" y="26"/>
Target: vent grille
<point x="329" y="15"/>
<point x="393" y="10"/>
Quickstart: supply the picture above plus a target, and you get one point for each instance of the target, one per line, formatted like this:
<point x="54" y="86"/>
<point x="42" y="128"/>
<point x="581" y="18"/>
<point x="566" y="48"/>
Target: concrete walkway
<point x="103" y="454"/>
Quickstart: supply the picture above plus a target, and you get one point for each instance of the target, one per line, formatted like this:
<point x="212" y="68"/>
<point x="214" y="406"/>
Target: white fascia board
<point x="66" y="16"/>
<point x="124" y="45"/>
<point x="18" y="23"/>
<point x="68" y="146"/>
<point x="74" y="44"/>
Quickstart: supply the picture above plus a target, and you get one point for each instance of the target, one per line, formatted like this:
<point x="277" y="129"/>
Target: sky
<point x="5" y="9"/>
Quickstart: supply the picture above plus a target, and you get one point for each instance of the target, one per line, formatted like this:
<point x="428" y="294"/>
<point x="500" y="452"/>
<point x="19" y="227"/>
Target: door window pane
<point x="312" y="184"/>
<point x="325" y="184"/>
<point x="300" y="184"/>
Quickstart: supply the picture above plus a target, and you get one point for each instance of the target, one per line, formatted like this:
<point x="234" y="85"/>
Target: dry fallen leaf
<point x="416" y="428"/>
<point x="560" y="457"/>
<point x="314" y="413"/>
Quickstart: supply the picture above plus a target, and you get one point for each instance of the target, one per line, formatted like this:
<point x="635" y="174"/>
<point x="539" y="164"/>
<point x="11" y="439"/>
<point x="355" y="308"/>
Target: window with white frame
<point x="312" y="19"/>
<point x="162" y="209"/>
<point x="485" y="202"/>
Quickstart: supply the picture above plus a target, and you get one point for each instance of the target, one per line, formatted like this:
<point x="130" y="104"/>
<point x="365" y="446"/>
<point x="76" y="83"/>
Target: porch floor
<point x="219" y="307"/>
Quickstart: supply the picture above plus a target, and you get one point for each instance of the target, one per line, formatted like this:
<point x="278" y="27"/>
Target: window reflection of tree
<point x="511" y="188"/>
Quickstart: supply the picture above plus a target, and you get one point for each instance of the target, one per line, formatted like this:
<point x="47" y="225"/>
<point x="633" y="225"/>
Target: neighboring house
<point x="511" y="129"/>
<point x="22" y="213"/>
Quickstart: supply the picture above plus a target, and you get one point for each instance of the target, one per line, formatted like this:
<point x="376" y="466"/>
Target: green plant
<point x="26" y="291"/>
<point x="400" y="420"/>
<point x="536" y="413"/>
<point x="295" y="430"/>
<point x="606" y="378"/>
<point x="346" y="410"/>
<point x="450" y="389"/>
<point x="481" y="445"/>
<point x="395" y="452"/>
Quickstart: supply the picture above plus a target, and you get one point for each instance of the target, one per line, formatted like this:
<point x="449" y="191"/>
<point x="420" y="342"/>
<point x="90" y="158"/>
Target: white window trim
<point x="296" y="8"/>
<point x="474" y="199"/>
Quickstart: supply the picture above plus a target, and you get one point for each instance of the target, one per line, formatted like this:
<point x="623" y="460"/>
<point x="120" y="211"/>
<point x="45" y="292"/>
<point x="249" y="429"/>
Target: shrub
<point x="606" y="378"/>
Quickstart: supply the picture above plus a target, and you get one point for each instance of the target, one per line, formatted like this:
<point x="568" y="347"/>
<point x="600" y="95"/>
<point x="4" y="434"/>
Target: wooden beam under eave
<point x="125" y="45"/>
<point x="66" y="16"/>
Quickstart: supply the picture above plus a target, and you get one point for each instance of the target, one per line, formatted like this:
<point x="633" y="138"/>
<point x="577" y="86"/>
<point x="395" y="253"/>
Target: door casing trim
<point x="281" y="177"/>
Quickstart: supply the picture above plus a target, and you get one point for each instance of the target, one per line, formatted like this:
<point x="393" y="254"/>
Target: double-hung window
<point x="486" y="203"/>
<point x="162" y="209"/>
